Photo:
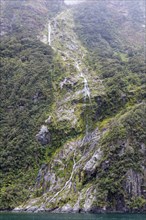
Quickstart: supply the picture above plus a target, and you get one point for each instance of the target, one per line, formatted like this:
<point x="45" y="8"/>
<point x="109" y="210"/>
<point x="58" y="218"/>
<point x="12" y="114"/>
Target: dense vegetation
<point x="120" y="66"/>
<point x="31" y="73"/>
<point x="122" y="108"/>
<point x="28" y="68"/>
<point x="25" y="17"/>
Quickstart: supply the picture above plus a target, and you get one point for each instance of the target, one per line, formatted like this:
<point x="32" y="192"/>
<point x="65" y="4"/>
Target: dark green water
<point x="11" y="216"/>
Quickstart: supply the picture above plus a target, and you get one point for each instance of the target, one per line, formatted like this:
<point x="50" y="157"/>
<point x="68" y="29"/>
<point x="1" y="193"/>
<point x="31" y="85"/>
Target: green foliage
<point x="122" y="152"/>
<point x="137" y="203"/>
<point x="26" y="19"/>
<point x="28" y="69"/>
<point x="31" y="73"/>
<point x="120" y="67"/>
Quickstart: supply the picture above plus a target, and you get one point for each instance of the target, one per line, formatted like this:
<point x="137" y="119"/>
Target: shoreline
<point x="71" y="212"/>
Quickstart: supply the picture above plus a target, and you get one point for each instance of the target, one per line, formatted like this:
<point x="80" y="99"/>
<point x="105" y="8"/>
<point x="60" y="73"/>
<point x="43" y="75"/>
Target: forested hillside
<point x="28" y="70"/>
<point x="73" y="114"/>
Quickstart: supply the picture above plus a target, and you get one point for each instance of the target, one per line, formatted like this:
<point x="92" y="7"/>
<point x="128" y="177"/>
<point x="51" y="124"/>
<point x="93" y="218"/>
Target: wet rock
<point x="18" y="209"/>
<point x="133" y="183"/>
<point x="32" y="209"/>
<point x="41" y="209"/>
<point x="89" y="200"/>
<point x="66" y="208"/>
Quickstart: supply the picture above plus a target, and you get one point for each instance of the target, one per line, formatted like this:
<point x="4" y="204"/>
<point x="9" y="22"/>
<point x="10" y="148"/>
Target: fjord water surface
<point x="48" y="216"/>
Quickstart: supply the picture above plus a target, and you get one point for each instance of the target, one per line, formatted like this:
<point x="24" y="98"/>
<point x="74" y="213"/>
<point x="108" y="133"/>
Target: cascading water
<point x="86" y="89"/>
<point x="87" y="94"/>
<point x="49" y="33"/>
<point x="86" y="86"/>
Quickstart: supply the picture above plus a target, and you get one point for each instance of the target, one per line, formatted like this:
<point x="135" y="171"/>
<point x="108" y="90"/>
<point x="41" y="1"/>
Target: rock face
<point x="134" y="183"/>
<point x="43" y="136"/>
<point x="91" y="165"/>
<point x="66" y="208"/>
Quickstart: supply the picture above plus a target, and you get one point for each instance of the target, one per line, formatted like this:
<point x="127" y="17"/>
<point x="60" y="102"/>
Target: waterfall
<point x="87" y="100"/>
<point x="86" y="88"/>
<point x="86" y="95"/>
<point x="82" y="74"/>
<point x="49" y="33"/>
<point x="68" y="181"/>
<point x="86" y="92"/>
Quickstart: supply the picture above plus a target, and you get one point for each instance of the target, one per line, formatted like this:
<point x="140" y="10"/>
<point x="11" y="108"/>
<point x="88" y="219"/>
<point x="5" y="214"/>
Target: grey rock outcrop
<point x="66" y="208"/>
<point x="43" y="136"/>
<point x="90" y="166"/>
<point x="134" y="183"/>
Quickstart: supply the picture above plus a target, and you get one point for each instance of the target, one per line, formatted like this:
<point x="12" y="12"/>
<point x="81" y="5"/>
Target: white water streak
<point x="69" y="180"/>
<point x="86" y="86"/>
<point x="86" y="89"/>
<point x="73" y="171"/>
<point x="49" y="33"/>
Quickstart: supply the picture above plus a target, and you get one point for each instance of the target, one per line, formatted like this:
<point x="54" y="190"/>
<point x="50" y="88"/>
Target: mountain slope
<point x="25" y="17"/>
<point x="77" y="107"/>
<point x="28" y="70"/>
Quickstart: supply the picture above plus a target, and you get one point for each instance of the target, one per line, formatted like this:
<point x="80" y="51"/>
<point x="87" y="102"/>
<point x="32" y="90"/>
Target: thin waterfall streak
<point x="69" y="180"/>
<point x="87" y="95"/>
<point x="49" y="33"/>
<point x="86" y="88"/>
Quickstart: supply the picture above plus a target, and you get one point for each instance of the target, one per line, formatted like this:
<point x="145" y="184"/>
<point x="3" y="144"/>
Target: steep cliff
<point x="74" y="126"/>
